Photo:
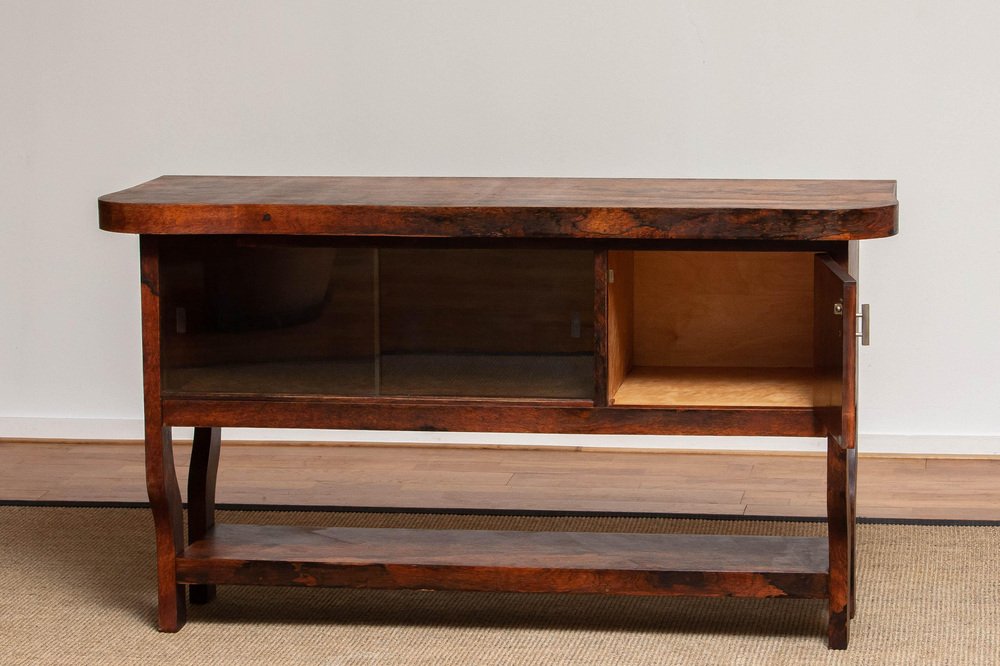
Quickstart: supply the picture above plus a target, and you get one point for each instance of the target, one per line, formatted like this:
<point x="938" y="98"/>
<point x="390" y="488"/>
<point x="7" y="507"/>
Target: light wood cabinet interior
<point x="711" y="329"/>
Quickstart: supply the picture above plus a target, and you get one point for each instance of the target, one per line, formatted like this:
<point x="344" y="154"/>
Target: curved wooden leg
<point x="161" y="476"/>
<point x="168" y="520"/>
<point x="838" y="511"/>
<point x="201" y="496"/>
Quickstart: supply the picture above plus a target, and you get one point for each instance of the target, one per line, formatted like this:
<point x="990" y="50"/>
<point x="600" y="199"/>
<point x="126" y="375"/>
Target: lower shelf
<point x="507" y="561"/>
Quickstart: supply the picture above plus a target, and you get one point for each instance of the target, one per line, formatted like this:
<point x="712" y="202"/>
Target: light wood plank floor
<point x="515" y="478"/>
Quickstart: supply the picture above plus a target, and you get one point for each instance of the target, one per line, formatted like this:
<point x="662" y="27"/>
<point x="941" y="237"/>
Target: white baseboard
<point x="931" y="445"/>
<point x="12" y="427"/>
<point x="27" y="427"/>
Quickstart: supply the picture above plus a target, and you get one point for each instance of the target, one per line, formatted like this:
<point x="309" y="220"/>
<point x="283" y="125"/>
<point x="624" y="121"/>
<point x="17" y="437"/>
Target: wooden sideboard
<point x="695" y="307"/>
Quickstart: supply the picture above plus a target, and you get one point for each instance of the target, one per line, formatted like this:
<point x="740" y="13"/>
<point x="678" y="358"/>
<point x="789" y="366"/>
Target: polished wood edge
<point x="561" y="581"/>
<point x="490" y="417"/>
<point x="834" y="267"/>
<point x="747" y="224"/>
<point x="832" y="247"/>
<point x="237" y="554"/>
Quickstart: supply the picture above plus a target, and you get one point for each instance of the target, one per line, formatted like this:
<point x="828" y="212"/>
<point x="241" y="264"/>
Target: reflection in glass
<point x="245" y="317"/>
<point x="241" y="319"/>
<point x="494" y="323"/>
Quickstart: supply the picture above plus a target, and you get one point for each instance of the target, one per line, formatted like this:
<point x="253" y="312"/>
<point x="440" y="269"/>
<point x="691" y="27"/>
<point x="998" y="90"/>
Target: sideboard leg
<point x="838" y="511"/>
<point x="168" y="520"/>
<point x="161" y="475"/>
<point x="852" y="519"/>
<point x="201" y="496"/>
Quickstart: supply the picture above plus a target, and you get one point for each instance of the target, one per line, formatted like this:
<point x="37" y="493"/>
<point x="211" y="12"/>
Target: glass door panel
<point x="487" y="323"/>
<point x="252" y="318"/>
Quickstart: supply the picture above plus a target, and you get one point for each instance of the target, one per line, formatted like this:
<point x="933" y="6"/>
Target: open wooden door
<point x="835" y="349"/>
<point x="835" y="359"/>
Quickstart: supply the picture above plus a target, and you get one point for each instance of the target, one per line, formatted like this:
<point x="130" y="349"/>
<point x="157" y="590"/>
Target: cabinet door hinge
<point x="864" y="328"/>
<point x="865" y="333"/>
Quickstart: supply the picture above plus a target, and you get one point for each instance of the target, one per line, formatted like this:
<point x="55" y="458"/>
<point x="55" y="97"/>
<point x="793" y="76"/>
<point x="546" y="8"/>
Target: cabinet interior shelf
<point x="717" y="387"/>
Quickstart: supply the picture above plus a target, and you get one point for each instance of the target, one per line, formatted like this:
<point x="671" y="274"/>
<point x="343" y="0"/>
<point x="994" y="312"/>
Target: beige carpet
<point x="77" y="587"/>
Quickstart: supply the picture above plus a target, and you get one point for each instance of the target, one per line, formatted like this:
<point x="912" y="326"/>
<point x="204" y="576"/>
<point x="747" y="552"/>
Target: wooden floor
<point x="515" y="478"/>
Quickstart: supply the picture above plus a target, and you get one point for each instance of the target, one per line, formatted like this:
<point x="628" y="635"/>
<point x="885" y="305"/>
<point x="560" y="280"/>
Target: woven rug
<point x="77" y="587"/>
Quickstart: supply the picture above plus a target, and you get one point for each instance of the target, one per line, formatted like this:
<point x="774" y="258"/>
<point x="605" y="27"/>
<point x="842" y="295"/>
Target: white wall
<point x="99" y="96"/>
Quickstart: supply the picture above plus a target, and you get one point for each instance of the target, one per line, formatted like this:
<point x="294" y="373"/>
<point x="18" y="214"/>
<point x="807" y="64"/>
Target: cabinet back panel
<point x="723" y="309"/>
<point x="262" y="303"/>
<point x="241" y="318"/>
<point x="486" y="301"/>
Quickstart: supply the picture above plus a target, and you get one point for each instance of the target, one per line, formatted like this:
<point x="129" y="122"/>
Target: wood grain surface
<point x="757" y="210"/>
<point x="161" y="475"/>
<point x="483" y="560"/>
<point x="719" y="387"/>
<point x="485" y="415"/>
<point x="727" y="309"/>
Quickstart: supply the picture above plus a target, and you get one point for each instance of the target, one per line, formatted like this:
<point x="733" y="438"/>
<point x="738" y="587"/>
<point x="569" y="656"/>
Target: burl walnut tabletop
<point x="620" y="208"/>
